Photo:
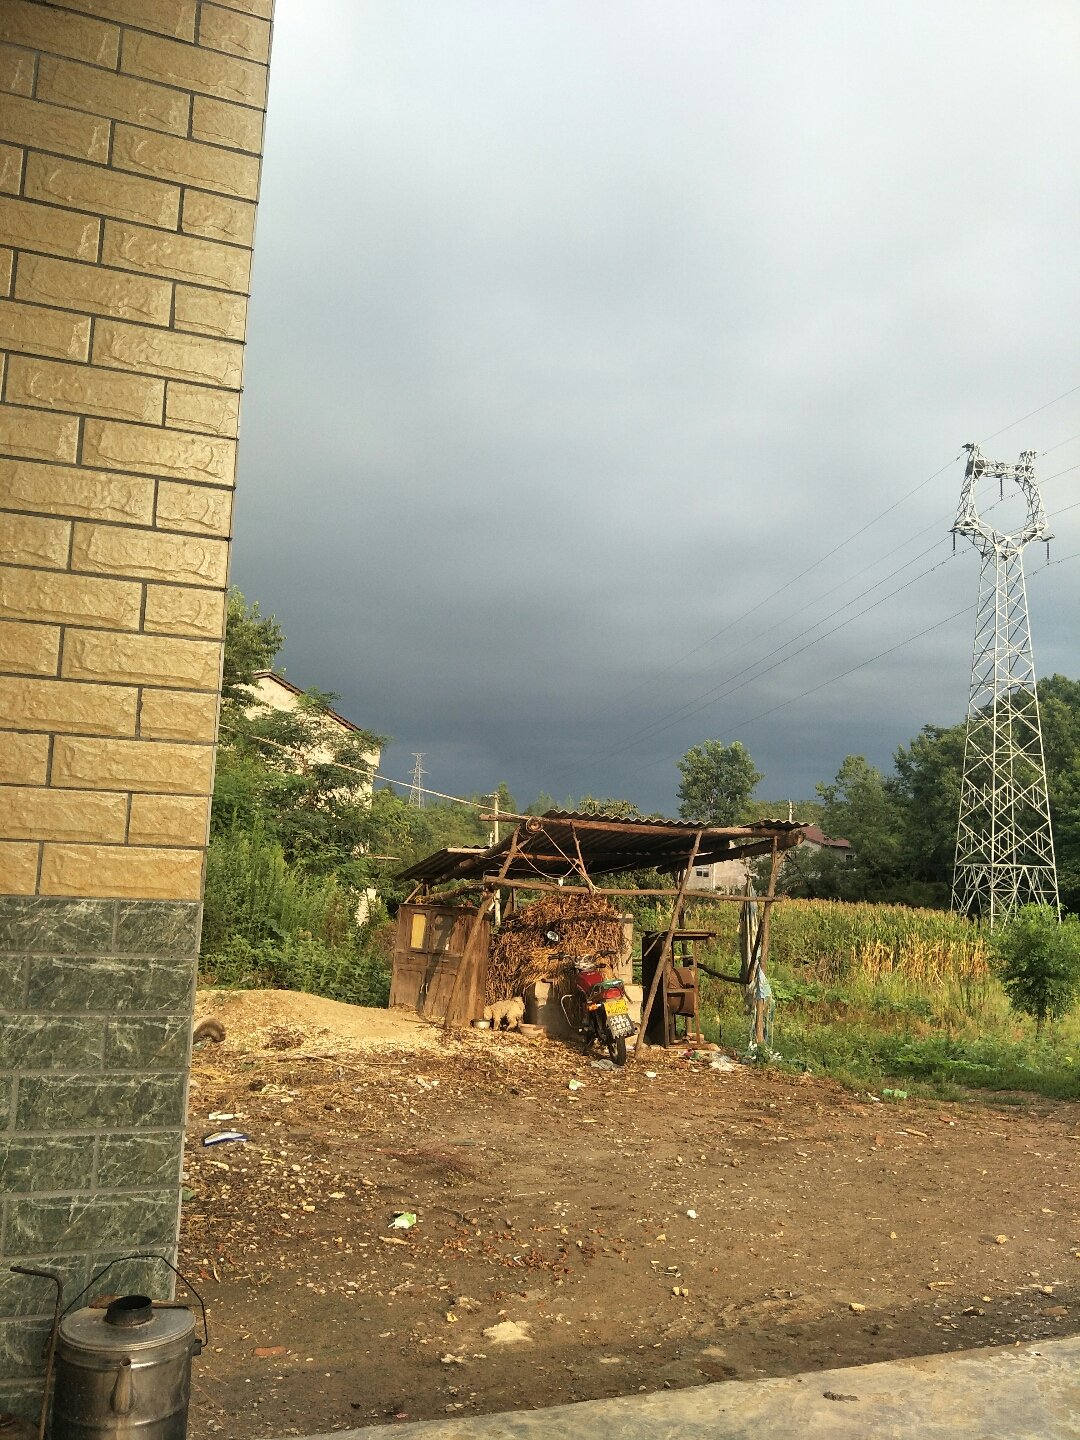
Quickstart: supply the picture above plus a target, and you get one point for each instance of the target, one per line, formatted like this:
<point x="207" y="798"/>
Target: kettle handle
<point x="179" y="1273"/>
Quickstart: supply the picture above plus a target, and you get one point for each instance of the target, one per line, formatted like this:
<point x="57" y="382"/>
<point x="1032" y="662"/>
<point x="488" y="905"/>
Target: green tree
<point x="717" y="782"/>
<point x="860" y="806"/>
<point x="926" y="788"/>
<point x="1038" y="961"/>
<point x="605" y="805"/>
<point x="252" y="643"/>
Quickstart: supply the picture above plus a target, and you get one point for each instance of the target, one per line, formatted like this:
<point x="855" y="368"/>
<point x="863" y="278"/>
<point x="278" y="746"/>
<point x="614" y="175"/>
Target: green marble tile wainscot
<point x="138" y="1043"/>
<point x="129" y="1222"/>
<point x="21" y="1344"/>
<point x="39" y="1042"/>
<point x="12" y="982"/>
<point x="39" y="925"/>
<point x="157" y="927"/>
<point x="107" y="1102"/>
<point x="127" y="1160"/>
<point x="29" y="1295"/>
<point x="37" y="1162"/>
<point x="110" y="986"/>
<point x="21" y="1399"/>
<point x="7" y="1091"/>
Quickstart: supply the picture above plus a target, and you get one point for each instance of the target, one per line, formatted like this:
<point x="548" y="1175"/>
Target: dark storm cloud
<point x="580" y="329"/>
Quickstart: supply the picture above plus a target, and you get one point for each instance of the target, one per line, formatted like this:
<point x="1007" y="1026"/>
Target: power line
<point x="719" y="693"/>
<point x="1037" y="411"/>
<point x="814" y="689"/>
<point x="367" y="775"/>
<point x="678" y="660"/>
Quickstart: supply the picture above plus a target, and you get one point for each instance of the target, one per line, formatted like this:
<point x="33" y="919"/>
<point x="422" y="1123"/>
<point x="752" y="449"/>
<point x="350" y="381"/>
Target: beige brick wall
<point x="130" y="145"/>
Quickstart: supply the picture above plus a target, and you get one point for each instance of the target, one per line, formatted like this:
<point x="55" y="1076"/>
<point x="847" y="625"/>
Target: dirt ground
<point x="647" y="1230"/>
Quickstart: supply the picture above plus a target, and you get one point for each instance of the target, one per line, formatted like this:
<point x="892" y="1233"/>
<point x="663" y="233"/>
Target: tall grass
<point x="252" y="891"/>
<point x="268" y="925"/>
<point x="837" y="941"/>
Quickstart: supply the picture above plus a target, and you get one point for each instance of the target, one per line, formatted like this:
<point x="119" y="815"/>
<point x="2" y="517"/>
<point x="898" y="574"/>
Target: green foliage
<point x="717" y="782"/>
<point x="358" y="974"/>
<point x="253" y="892"/>
<point x="605" y="805"/>
<point x="252" y="642"/>
<point x="269" y="924"/>
<point x="1038" y="961"/>
<point x="903" y="825"/>
<point x="859" y="806"/>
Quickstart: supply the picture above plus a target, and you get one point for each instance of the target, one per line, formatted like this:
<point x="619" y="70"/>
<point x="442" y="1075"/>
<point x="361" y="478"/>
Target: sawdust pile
<point x="521" y="953"/>
<point x="289" y="1021"/>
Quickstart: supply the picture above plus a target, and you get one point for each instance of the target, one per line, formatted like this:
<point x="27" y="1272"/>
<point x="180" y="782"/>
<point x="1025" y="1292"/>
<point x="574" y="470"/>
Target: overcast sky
<point x="609" y="363"/>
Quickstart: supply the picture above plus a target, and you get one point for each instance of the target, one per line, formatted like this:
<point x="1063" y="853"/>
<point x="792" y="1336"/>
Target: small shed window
<point x="417" y="931"/>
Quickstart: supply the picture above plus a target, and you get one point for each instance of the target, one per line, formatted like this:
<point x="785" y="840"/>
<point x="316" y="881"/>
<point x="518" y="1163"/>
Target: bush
<point x="1038" y="961"/>
<point x="252" y="891"/>
<point x="268" y="925"/>
<point x="357" y="974"/>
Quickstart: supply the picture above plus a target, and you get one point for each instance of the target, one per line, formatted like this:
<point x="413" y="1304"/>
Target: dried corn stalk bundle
<point x="521" y="953"/>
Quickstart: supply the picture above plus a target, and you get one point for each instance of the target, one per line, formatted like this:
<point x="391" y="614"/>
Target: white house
<point x="274" y="690"/>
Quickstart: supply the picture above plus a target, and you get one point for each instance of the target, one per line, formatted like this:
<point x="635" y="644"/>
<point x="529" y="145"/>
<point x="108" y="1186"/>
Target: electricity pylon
<point x="416" y="790"/>
<point x="1004" y="843"/>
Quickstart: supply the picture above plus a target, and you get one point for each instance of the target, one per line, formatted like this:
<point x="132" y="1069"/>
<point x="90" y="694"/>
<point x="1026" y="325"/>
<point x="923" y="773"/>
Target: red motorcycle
<point x="597" y="1007"/>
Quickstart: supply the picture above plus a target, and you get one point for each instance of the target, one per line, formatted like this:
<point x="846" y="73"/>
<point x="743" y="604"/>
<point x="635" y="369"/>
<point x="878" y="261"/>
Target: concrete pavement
<point x="1024" y="1392"/>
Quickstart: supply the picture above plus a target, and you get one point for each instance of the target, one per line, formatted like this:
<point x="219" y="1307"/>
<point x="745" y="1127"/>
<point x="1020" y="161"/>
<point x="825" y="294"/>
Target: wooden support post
<point x="665" y="951"/>
<point x="762" y="947"/>
<point x="581" y="861"/>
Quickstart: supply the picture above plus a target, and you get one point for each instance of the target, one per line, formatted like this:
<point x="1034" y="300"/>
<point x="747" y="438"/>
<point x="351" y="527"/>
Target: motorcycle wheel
<point x="616" y="1048"/>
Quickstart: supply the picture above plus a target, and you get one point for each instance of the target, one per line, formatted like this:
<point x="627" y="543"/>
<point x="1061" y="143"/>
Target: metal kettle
<point x="124" y="1370"/>
<point x="121" y="1365"/>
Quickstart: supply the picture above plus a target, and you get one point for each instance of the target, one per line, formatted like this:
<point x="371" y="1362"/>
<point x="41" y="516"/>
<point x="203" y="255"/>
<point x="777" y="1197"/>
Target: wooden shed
<point x="430" y="947"/>
<point x="441" y="950"/>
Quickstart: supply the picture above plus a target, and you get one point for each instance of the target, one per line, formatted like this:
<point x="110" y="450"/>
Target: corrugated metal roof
<point x="548" y="845"/>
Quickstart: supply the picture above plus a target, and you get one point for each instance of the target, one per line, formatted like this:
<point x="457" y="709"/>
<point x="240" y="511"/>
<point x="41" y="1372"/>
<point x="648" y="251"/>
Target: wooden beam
<point x="706" y="896"/>
<point x="672" y="829"/>
<point x="581" y="861"/>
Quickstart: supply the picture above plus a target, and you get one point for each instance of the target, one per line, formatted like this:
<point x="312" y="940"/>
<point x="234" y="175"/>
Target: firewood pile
<point x="521" y="953"/>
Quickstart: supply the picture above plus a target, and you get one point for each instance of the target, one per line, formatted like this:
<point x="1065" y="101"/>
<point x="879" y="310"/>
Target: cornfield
<point x="835" y="942"/>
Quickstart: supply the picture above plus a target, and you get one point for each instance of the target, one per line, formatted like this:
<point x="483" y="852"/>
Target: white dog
<point x="506" y="1014"/>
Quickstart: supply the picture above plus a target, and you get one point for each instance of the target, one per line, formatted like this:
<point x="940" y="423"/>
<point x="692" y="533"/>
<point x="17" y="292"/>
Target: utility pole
<point x="1004" y="843"/>
<point x="416" y="791"/>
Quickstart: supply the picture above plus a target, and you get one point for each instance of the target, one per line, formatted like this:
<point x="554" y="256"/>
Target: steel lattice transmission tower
<point x="1004" y="843"/>
<point x="416" y="790"/>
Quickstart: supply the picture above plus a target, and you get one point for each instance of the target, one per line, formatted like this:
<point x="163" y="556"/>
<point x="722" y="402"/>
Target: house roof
<point x="813" y="835"/>
<point x="295" y="690"/>
<point x="547" y="847"/>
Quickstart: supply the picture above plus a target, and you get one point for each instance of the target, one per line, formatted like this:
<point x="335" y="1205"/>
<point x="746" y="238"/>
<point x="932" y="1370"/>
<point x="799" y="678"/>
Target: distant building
<point x="729" y="877"/>
<point x="274" y="690"/>
<point x="815" y="838"/>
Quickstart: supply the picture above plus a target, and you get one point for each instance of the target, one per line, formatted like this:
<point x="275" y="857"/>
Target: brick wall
<point x="130" y="143"/>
